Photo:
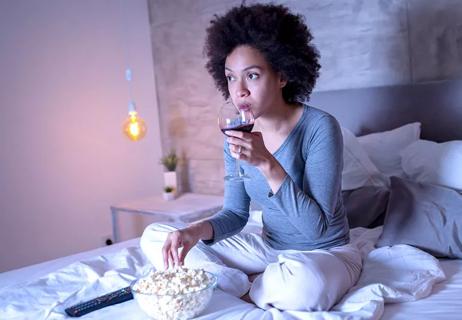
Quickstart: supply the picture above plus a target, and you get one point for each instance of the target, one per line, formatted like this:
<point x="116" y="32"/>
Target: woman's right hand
<point x="185" y="239"/>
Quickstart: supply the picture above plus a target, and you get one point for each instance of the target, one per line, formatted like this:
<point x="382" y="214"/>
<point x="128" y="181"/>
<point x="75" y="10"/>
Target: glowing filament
<point x="134" y="126"/>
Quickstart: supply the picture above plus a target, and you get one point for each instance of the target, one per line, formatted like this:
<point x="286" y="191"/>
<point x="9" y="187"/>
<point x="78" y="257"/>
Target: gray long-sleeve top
<point x="306" y="212"/>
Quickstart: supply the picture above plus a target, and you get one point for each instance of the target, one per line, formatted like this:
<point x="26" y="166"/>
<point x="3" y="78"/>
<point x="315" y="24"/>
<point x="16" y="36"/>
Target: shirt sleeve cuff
<point x="216" y="234"/>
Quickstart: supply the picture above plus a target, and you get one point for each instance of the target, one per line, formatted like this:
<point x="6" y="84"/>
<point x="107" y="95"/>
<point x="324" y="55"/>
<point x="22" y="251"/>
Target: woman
<point x="261" y="58"/>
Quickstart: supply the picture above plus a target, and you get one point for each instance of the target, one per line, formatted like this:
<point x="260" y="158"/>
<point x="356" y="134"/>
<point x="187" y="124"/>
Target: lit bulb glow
<point x="134" y="126"/>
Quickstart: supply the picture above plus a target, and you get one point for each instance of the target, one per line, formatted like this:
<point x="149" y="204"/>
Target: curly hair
<point x="282" y="38"/>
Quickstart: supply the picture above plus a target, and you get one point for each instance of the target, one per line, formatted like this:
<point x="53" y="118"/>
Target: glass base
<point x="237" y="178"/>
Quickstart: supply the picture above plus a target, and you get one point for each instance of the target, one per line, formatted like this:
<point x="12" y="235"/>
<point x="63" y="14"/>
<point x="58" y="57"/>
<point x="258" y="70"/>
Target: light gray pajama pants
<point x="290" y="280"/>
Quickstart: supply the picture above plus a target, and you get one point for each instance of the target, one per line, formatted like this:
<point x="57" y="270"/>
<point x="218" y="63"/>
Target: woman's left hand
<point x="249" y="147"/>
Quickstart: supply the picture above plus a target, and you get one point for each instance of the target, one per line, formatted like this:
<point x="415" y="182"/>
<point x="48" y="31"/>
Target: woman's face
<point x="252" y="83"/>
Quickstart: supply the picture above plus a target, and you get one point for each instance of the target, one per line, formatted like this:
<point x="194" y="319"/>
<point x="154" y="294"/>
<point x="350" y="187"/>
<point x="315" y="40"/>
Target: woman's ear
<point x="282" y="80"/>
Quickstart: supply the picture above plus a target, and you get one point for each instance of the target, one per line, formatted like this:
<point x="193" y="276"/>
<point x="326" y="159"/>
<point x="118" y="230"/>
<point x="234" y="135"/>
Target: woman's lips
<point x="244" y="106"/>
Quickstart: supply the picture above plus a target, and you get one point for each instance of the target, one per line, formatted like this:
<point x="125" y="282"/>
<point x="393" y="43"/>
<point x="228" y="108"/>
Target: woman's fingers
<point x="176" y="244"/>
<point x="170" y="260"/>
<point x="184" y="252"/>
<point x="170" y="249"/>
<point x="238" y="155"/>
<point x="166" y="252"/>
<point x="251" y="148"/>
<point x="239" y="149"/>
<point x="239" y="142"/>
<point x="240" y="135"/>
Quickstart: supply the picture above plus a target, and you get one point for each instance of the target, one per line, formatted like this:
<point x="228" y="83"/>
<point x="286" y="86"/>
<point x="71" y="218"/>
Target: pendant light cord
<point x="128" y="70"/>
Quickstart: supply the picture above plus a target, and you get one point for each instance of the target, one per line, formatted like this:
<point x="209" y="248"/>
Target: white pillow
<point x="358" y="170"/>
<point x="384" y="147"/>
<point x="435" y="163"/>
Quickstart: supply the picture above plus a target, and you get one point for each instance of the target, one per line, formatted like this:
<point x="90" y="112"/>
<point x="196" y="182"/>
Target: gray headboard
<point x="437" y="105"/>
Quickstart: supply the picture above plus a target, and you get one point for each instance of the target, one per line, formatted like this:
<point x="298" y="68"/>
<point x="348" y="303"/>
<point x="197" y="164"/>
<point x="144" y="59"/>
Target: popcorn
<point x="175" y="294"/>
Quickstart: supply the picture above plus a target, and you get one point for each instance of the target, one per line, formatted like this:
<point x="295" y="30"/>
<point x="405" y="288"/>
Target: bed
<point x="399" y="281"/>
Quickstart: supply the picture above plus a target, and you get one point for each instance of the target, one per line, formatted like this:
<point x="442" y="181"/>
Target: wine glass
<point x="239" y="119"/>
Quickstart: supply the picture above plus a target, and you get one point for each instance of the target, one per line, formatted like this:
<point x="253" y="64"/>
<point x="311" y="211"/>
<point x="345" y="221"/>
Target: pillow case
<point x="366" y="206"/>
<point x="383" y="148"/>
<point x="425" y="216"/>
<point x="358" y="170"/>
<point x="432" y="162"/>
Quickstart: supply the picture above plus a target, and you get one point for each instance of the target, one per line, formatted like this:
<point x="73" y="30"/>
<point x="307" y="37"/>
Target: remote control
<point x="109" y="299"/>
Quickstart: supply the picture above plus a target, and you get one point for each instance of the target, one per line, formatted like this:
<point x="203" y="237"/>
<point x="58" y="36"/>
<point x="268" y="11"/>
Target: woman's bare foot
<point x="246" y="298"/>
<point x="253" y="276"/>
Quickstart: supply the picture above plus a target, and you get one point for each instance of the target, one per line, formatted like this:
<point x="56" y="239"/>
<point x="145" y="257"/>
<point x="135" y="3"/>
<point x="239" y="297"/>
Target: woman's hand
<point x="251" y="148"/>
<point x="185" y="239"/>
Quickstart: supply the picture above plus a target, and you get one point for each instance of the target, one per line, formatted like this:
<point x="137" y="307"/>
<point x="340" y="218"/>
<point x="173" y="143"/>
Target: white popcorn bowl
<point x="174" y="307"/>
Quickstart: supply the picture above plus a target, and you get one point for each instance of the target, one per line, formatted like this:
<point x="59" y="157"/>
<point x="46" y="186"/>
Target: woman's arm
<point x="311" y="208"/>
<point x="235" y="213"/>
<point x="229" y="221"/>
<point x="274" y="173"/>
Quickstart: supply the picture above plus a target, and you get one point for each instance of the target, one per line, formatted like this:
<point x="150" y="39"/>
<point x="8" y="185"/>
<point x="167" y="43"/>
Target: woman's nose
<point x="242" y="91"/>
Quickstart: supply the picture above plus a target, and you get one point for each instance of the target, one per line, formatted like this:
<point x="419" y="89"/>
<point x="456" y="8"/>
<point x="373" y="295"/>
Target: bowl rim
<point x="210" y="275"/>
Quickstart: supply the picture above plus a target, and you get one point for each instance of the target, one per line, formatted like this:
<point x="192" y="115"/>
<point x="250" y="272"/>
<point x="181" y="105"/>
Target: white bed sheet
<point x="401" y="273"/>
<point x="444" y="303"/>
<point x="38" y="270"/>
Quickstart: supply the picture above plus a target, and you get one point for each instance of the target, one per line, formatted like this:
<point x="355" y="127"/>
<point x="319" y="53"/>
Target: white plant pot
<point x="168" y="196"/>
<point x="171" y="180"/>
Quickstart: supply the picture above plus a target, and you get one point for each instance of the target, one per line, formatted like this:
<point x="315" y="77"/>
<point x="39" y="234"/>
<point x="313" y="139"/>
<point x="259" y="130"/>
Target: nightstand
<point x="187" y="208"/>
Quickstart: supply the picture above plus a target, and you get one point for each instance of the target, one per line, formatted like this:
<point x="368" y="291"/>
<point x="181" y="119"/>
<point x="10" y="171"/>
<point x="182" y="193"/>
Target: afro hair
<point x="282" y="38"/>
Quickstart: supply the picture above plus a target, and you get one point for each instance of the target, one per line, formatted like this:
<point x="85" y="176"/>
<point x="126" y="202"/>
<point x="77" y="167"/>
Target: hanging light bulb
<point x="134" y="126"/>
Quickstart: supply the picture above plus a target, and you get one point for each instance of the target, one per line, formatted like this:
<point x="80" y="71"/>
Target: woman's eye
<point x="229" y="78"/>
<point x="253" y="76"/>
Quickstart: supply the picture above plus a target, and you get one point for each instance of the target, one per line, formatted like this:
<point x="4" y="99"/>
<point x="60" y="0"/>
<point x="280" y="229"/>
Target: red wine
<point x="243" y="128"/>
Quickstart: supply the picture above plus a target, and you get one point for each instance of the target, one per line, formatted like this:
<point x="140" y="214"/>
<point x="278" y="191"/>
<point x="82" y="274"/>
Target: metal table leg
<point x="115" y="225"/>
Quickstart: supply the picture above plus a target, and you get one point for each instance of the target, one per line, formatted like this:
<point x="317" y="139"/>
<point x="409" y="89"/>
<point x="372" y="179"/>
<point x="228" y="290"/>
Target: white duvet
<point x="390" y="275"/>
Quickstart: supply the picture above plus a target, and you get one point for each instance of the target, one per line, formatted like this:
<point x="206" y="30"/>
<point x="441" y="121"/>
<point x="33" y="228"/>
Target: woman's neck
<point x="281" y="119"/>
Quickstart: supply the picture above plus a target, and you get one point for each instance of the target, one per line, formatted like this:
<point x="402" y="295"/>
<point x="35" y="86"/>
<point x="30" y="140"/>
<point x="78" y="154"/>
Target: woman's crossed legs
<point x="289" y="280"/>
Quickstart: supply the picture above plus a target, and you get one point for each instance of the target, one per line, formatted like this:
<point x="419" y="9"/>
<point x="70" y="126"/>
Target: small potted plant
<point x="169" y="193"/>
<point x="170" y="162"/>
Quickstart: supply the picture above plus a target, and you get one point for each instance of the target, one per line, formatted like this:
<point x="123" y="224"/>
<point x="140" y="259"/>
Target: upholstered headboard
<point x="437" y="105"/>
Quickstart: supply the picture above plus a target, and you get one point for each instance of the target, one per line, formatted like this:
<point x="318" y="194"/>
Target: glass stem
<point x="238" y="169"/>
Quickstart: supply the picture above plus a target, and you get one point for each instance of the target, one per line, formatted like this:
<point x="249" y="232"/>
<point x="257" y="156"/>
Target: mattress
<point x="43" y="291"/>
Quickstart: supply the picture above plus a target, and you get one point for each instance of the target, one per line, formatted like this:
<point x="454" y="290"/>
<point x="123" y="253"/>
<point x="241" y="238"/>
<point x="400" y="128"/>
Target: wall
<point x="362" y="44"/>
<point x="63" y="98"/>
